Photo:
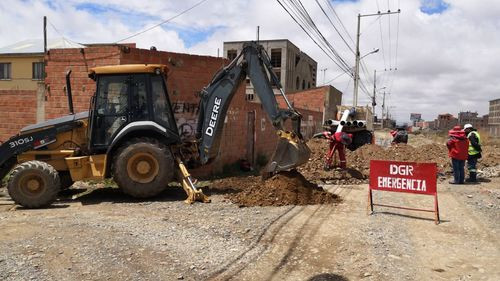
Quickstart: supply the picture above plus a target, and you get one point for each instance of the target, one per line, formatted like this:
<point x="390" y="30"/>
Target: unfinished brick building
<point x="248" y="133"/>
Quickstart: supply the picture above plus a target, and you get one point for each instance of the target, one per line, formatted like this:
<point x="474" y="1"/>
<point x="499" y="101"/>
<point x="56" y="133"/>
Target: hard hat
<point x="467" y="126"/>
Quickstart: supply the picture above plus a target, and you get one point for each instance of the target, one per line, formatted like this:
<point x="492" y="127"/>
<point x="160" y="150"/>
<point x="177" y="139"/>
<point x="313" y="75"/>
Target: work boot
<point x="472" y="177"/>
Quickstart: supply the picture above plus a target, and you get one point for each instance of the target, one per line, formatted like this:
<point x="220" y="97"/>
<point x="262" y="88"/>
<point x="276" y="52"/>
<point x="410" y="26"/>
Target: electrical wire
<point x="299" y="14"/>
<point x="163" y="22"/>
<point x="397" y="38"/>
<point x="70" y="42"/>
<point x="334" y="27"/>
<point x="389" y="23"/>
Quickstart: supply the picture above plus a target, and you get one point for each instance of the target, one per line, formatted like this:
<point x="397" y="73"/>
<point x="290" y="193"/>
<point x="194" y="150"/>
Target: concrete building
<point x="468" y="117"/>
<point x="494" y="118"/>
<point x="445" y="121"/>
<point x="22" y="63"/>
<point x="295" y="69"/>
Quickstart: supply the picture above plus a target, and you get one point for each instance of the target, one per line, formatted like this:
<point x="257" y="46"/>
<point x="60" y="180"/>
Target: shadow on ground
<point x="89" y="196"/>
<point x="328" y="277"/>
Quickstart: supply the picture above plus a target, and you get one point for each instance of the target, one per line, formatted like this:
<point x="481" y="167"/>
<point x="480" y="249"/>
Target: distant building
<point x="323" y="99"/>
<point x="494" y="118"/>
<point x="22" y="64"/>
<point x="445" y="121"/>
<point x="415" y="117"/>
<point x="468" y="117"/>
<point x="294" y="68"/>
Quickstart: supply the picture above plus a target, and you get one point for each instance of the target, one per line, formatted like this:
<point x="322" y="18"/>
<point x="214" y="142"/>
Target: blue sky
<point x="433" y="6"/>
<point x="139" y="21"/>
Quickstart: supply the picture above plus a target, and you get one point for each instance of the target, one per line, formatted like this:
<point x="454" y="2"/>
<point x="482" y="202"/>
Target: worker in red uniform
<point x="400" y="135"/>
<point x="458" y="150"/>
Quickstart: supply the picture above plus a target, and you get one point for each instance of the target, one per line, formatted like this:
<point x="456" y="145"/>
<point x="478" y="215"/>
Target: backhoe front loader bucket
<point x="290" y="153"/>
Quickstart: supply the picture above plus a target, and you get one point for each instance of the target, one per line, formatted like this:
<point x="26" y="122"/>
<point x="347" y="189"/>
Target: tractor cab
<point x="129" y="98"/>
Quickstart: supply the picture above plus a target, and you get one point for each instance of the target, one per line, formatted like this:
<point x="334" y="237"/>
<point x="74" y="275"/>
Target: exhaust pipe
<point x="355" y="123"/>
<point x="68" y="91"/>
<point x="348" y="123"/>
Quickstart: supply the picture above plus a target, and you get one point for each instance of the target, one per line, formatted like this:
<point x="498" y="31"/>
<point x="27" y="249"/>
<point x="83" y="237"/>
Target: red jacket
<point x="458" y="145"/>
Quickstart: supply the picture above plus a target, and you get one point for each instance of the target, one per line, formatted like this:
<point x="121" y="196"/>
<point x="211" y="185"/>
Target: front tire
<point x="143" y="167"/>
<point x="34" y="184"/>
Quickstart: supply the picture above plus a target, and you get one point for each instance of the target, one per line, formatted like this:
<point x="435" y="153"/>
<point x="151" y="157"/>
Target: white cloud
<point x="446" y="62"/>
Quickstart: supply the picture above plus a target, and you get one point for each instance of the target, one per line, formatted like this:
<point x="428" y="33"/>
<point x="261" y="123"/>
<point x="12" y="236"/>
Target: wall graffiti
<point x="186" y="117"/>
<point x="185" y="107"/>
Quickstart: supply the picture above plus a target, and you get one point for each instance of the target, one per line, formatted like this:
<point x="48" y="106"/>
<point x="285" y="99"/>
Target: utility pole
<point x="258" y="33"/>
<point x="45" y="35"/>
<point x="374" y="100"/>
<point x="383" y="109"/>
<point x="357" y="54"/>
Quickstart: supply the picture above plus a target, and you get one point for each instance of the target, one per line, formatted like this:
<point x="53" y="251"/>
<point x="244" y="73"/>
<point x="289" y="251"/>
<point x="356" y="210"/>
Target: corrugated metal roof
<point x="36" y="46"/>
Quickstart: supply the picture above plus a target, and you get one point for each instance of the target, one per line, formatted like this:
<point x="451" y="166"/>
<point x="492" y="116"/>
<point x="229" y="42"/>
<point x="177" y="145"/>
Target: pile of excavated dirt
<point x="358" y="162"/>
<point x="285" y="188"/>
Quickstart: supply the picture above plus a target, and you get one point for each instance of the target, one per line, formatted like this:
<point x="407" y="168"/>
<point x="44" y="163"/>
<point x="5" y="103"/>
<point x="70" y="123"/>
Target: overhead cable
<point x="163" y="22"/>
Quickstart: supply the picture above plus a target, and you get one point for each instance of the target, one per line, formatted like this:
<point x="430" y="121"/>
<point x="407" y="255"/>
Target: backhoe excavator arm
<point x="216" y="97"/>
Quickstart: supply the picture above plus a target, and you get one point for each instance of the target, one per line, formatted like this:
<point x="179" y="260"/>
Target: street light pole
<point x="324" y="74"/>
<point x="357" y="54"/>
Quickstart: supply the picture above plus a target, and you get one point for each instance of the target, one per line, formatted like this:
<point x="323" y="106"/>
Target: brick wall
<point x="17" y="109"/>
<point x="82" y="87"/>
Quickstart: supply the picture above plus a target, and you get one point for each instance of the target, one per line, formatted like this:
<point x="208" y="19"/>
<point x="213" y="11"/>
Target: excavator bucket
<point x="290" y="153"/>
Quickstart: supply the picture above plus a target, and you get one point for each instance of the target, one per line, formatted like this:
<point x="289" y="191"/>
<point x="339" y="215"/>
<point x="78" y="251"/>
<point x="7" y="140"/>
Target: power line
<point x="299" y="14"/>
<point x="334" y="27"/>
<point x="397" y="40"/>
<point x="163" y="22"/>
<point x="389" y="22"/>
<point x="339" y="20"/>
<point x="71" y="42"/>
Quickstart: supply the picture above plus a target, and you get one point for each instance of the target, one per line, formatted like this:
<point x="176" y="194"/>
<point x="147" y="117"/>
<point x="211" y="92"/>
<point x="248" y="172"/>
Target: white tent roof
<point x="36" y="46"/>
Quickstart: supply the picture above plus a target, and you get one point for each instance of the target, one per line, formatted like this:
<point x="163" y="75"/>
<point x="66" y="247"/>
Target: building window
<point x="5" y="70"/>
<point x="303" y="84"/>
<point x="276" y="57"/>
<point x="38" y="71"/>
<point x="249" y="97"/>
<point x="309" y="85"/>
<point x="231" y="54"/>
<point x="297" y="83"/>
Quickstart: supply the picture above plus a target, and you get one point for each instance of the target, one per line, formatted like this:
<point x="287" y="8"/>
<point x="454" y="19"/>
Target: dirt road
<point x="104" y="235"/>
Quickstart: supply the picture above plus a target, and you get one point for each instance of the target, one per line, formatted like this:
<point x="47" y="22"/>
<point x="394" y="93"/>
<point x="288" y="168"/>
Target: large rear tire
<point x="34" y="184"/>
<point x="143" y="167"/>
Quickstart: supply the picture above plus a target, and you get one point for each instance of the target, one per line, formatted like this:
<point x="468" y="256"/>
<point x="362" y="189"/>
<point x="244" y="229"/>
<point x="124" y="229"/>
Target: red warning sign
<point x="403" y="176"/>
<point x="410" y="177"/>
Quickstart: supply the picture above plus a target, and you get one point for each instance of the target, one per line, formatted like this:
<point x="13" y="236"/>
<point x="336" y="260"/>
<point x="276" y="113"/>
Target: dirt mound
<point x="285" y="188"/>
<point x="358" y="162"/>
